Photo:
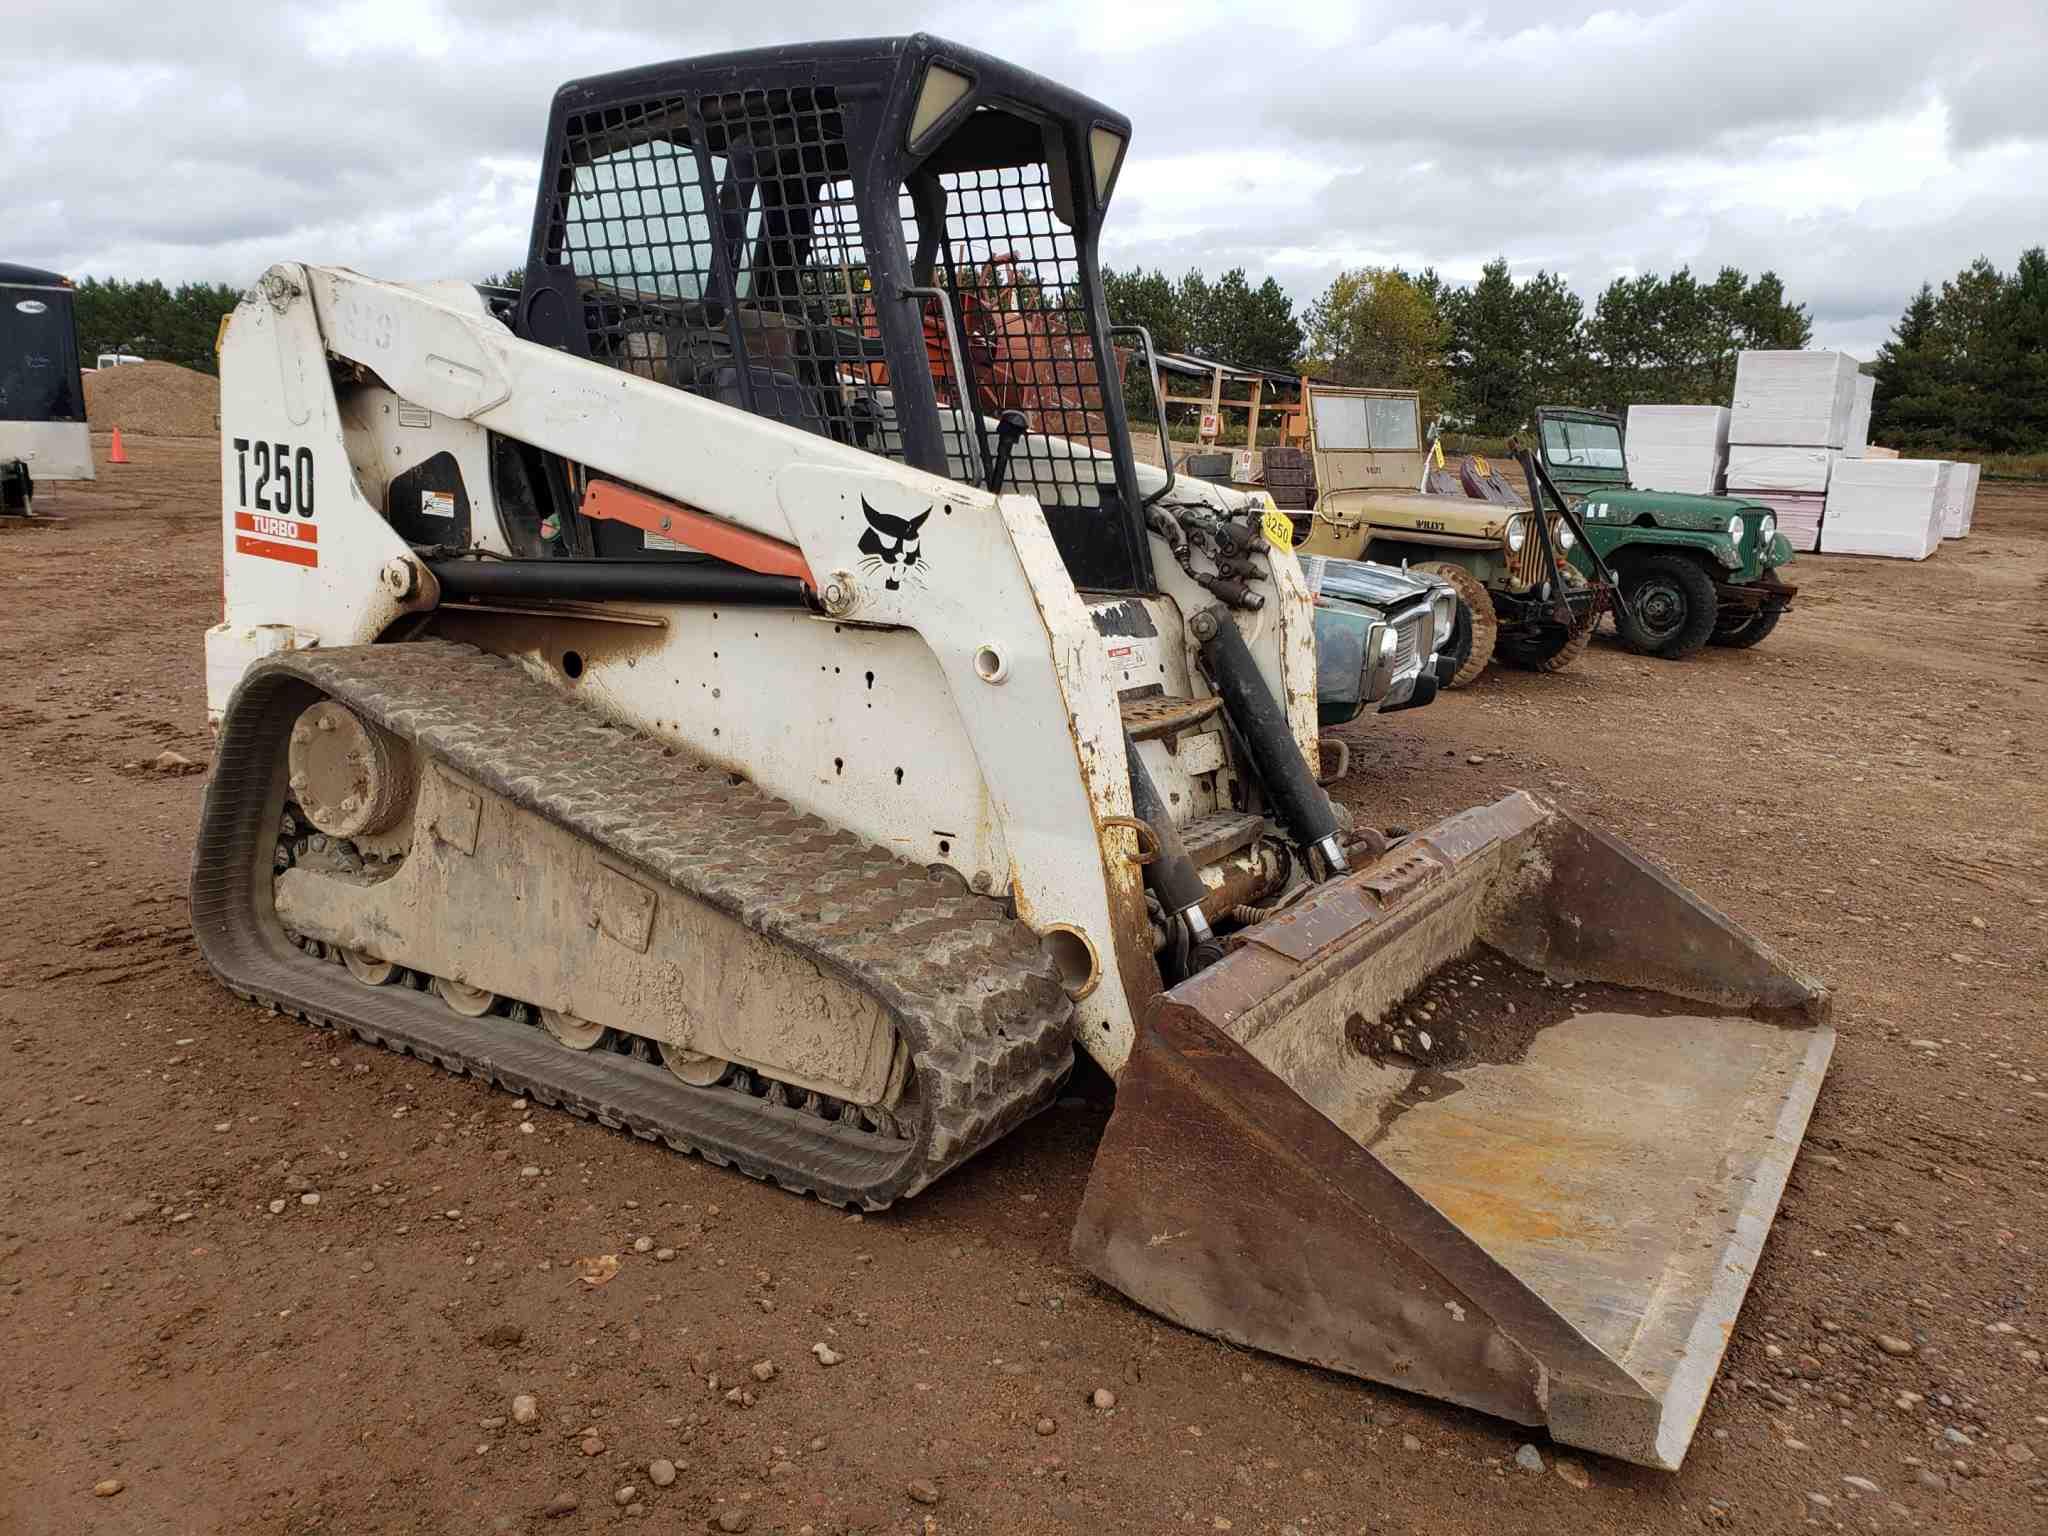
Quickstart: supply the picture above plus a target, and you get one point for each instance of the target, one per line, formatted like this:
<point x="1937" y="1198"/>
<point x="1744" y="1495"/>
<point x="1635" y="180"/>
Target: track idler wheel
<point x="577" y="1034"/>
<point x="470" y="1002"/>
<point x="369" y="970"/>
<point x="693" y="1067"/>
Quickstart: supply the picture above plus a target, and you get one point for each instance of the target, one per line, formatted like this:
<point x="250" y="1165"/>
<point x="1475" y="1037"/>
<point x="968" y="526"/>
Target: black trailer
<point x="43" y="432"/>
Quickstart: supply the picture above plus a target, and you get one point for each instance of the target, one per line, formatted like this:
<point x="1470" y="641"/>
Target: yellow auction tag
<point x="1436" y="449"/>
<point x="1479" y="463"/>
<point x="1279" y="531"/>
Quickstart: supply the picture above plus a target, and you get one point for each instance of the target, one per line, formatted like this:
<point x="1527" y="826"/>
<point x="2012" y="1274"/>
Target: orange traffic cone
<point x="116" y="454"/>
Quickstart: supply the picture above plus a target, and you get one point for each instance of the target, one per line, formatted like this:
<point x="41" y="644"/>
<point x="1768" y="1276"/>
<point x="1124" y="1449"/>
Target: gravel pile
<point x="153" y="400"/>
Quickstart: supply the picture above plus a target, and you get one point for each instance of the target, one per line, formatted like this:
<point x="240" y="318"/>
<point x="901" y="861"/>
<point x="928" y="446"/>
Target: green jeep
<point x="1692" y="569"/>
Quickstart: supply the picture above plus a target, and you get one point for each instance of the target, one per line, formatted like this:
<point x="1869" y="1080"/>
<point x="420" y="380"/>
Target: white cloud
<point x="1855" y="152"/>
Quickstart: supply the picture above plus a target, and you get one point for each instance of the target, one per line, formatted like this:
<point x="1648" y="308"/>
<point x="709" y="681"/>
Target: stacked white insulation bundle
<point x="1960" y="507"/>
<point x="1858" y="444"/>
<point x="1887" y="507"/>
<point x="1793" y="482"/>
<point x="1677" y="448"/>
<point x="1789" y="425"/>
<point x="1793" y="399"/>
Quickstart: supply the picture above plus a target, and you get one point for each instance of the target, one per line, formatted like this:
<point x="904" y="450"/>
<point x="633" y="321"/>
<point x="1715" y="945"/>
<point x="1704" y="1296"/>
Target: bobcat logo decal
<point x="891" y="544"/>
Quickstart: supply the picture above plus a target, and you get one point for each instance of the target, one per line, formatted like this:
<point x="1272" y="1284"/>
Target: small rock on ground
<point x="923" y="1491"/>
<point x="1572" y="1473"/>
<point x="826" y="1354"/>
<point x="1410" y="1443"/>
<point x="563" y="1503"/>
<point x="1103" y="1399"/>
<point x="1529" y="1459"/>
<point x="107" y="1487"/>
<point x="1891" y="1344"/>
<point x="1045" y="1426"/>
<point x="525" y="1409"/>
<point x="736" y="1518"/>
<point x="661" y="1473"/>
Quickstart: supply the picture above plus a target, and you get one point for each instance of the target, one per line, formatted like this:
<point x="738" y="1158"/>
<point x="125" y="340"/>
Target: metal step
<point x="1220" y="834"/>
<point x="1163" y="716"/>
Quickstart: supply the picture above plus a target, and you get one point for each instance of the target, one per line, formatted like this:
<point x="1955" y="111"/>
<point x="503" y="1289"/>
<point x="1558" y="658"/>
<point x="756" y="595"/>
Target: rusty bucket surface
<point x="1558" y="1230"/>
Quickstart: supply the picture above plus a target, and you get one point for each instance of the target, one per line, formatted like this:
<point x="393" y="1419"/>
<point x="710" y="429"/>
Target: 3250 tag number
<point x="284" y="477"/>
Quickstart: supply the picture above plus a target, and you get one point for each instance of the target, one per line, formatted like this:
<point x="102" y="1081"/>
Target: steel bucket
<point x="1551" y="1213"/>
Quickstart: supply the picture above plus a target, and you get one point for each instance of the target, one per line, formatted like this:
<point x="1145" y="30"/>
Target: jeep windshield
<point x="1365" y="424"/>
<point x="1582" y="444"/>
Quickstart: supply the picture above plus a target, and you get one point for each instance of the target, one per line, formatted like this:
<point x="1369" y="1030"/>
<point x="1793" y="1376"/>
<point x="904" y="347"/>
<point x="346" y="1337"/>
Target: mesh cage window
<point x="720" y="251"/>
<point x="716" y="243"/>
<point x="1013" y="270"/>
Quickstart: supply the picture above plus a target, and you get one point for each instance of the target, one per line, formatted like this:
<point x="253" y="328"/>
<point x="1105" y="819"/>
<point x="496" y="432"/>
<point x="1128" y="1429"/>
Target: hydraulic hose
<point x="1172" y="874"/>
<point x="1262" y="725"/>
<point x="597" y="581"/>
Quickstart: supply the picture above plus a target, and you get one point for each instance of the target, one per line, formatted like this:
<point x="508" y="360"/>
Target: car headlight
<point x="1518" y="533"/>
<point x="1768" y="528"/>
<point x="1565" y="538"/>
<point x="1443" y="618"/>
<point x="1735" y="529"/>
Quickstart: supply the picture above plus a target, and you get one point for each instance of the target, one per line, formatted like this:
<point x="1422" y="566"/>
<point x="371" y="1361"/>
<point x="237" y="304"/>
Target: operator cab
<point x="888" y="242"/>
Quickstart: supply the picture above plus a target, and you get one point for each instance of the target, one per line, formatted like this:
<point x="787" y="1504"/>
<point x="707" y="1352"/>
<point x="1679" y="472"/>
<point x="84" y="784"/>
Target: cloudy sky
<point x="1856" y="148"/>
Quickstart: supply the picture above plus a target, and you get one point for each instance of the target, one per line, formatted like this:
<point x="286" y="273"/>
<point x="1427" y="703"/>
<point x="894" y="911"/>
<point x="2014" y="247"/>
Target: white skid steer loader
<point x="739" y="686"/>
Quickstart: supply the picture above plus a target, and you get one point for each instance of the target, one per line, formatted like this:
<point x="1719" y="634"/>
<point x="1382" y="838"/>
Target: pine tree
<point x="1905" y="411"/>
<point x="1489" y="341"/>
<point x="2023" y="381"/>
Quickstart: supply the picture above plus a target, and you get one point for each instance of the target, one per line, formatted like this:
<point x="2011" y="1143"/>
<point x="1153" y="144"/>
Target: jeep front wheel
<point x="1671" y="607"/>
<point x="1744" y="627"/>
<point x="1476" y="629"/>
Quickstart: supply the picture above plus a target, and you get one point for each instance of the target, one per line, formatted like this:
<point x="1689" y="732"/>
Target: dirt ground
<point x="178" y="1314"/>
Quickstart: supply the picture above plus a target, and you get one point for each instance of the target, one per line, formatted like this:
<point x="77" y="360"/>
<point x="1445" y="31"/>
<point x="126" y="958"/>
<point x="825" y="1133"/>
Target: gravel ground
<point x="253" y="1278"/>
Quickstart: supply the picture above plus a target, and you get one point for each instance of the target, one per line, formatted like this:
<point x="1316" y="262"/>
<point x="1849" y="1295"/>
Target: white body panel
<point x="52" y="450"/>
<point x="988" y="738"/>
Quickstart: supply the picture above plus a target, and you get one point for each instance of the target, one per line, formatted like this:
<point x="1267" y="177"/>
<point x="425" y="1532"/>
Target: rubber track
<point x="968" y="986"/>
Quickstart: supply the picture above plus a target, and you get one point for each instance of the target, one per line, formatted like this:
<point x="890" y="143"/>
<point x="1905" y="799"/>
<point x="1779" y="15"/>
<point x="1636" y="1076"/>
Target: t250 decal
<point x="274" y="483"/>
<point x="284" y="477"/>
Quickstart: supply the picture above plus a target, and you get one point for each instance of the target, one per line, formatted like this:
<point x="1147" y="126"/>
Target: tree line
<point x="1967" y="367"/>
<point x="1483" y="355"/>
<point x="151" y="320"/>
